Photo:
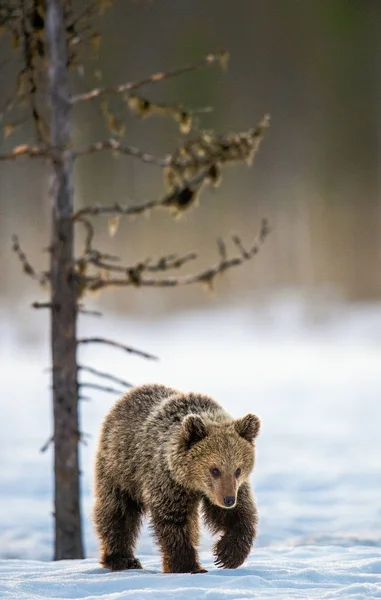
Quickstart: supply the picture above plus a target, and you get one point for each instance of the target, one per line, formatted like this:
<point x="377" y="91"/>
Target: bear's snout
<point x="229" y="501"/>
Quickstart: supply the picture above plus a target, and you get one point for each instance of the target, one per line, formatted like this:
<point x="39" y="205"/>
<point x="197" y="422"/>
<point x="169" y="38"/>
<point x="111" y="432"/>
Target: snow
<point x="312" y="373"/>
<point x="302" y="572"/>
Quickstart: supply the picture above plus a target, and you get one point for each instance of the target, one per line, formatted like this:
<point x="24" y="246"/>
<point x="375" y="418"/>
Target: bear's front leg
<point x="238" y="526"/>
<point x="175" y="526"/>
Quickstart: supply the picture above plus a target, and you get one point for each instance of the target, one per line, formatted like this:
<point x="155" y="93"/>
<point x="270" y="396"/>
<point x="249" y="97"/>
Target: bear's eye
<point x="215" y="472"/>
<point x="237" y="473"/>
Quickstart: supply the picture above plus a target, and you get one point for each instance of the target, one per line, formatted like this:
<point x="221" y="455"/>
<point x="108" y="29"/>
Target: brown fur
<point x="156" y="454"/>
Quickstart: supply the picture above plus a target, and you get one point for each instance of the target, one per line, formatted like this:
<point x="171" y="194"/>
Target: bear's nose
<point x="229" y="500"/>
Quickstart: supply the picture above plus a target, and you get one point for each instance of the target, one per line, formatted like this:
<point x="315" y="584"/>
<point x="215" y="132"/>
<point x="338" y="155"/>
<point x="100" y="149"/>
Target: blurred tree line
<point x="314" y="65"/>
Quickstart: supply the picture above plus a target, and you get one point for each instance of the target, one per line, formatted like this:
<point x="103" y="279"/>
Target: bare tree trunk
<point x="68" y="534"/>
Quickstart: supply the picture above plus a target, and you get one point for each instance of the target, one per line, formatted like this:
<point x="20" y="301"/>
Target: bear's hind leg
<point x="118" y="519"/>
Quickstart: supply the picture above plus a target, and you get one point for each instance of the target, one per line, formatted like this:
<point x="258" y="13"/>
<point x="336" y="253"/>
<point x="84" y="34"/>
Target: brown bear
<point x="168" y="453"/>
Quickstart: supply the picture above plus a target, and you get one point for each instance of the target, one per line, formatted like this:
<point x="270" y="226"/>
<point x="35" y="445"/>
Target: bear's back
<point x="118" y="444"/>
<point x="138" y="404"/>
<point x="172" y="410"/>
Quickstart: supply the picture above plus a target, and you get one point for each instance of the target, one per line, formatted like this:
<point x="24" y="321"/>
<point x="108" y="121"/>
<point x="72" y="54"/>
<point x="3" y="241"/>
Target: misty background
<point x="314" y="65"/>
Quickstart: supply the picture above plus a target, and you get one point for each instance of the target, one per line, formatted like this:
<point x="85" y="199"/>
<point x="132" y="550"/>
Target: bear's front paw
<point x="229" y="552"/>
<point x="117" y="562"/>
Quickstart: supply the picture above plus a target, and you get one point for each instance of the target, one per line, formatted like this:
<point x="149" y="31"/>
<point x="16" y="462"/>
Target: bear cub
<point x="168" y="453"/>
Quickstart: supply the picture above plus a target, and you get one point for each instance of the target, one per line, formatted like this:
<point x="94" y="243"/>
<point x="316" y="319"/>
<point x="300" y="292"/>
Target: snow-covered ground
<point x="314" y="377"/>
<point x="303" y="572"/>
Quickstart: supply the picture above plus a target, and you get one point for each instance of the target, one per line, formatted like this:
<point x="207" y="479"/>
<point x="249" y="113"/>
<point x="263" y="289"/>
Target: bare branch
<point x="41" y="305"/>
<point x="171" y="261"/>
<point x="238" y="244"/>
<point x="99" y="260"/>
<point x="47" y="444"/>
<point x="25" y="150"/>
<point x="222" y="249"/>
<point x="102" y="388"/>
<point x="89" y="256"/>
<point x="89" y="233"/>
<point x="163" y="264"/>
<point x="192" y="165"/>
<point x="81" y="438"/>
<point x="207" y="276"/>
<point x="81" y="310"/>
<point x="87" y="12"/>
<point x="97" y="340"/>
<point x="116" y="146"/>
<point x="42" y="278"/>
<point x="105" y="375"/>
<point x="91" y="313"/>
<point x="210" y="59"/>
<point x="180" y="196"/>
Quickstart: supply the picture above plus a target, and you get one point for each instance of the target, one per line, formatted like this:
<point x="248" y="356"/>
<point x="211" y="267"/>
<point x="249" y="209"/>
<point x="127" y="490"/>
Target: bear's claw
<point x="115" y="562"/>
<point x="228" y="553"/>
<point x="200" y="570"/>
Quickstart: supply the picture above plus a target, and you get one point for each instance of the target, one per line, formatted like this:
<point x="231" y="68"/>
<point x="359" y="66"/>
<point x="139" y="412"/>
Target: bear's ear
<point x="248" y="427"/>
<point x="194" y="430"/>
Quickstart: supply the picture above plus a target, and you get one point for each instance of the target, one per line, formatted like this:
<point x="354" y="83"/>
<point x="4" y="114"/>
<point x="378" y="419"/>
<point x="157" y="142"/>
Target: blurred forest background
<point x="314" y="65"/>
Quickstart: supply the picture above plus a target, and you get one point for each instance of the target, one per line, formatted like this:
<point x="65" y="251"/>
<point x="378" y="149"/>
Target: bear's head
<point x="214" y="458"/>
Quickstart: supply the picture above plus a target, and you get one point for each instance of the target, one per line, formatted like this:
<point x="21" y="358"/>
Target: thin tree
<point x="48" y="35"/>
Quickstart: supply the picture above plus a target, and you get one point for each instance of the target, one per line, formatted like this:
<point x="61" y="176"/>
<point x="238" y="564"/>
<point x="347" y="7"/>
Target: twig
<point x="116" y="146"/>
<point x="238" y="244"/>
<point x="25" y="150"/>
<point x="209" y="60"/>
<point x="207" y="276"/>
<point x="89" y="233"/>
<point x="81" y="438"/>
<point x="97" y="340"/>
<point x="47" y="444"/>
<point x="41" y="305"/>
<point x="102" y="388"/>
<point x="163" y="264"/>
<point x="91" y="313"/>
<point x="222" y="249"/>
<point x="83" y="311"/>
<point x="171" y="262"/>
<point x="105" y="375"/>
<point x="88" y="249"/>
<point x="88" y="11"/>
<point x="94" y="257"/>
<point x="42" y="278"/>
<point x="178" y="196"/>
